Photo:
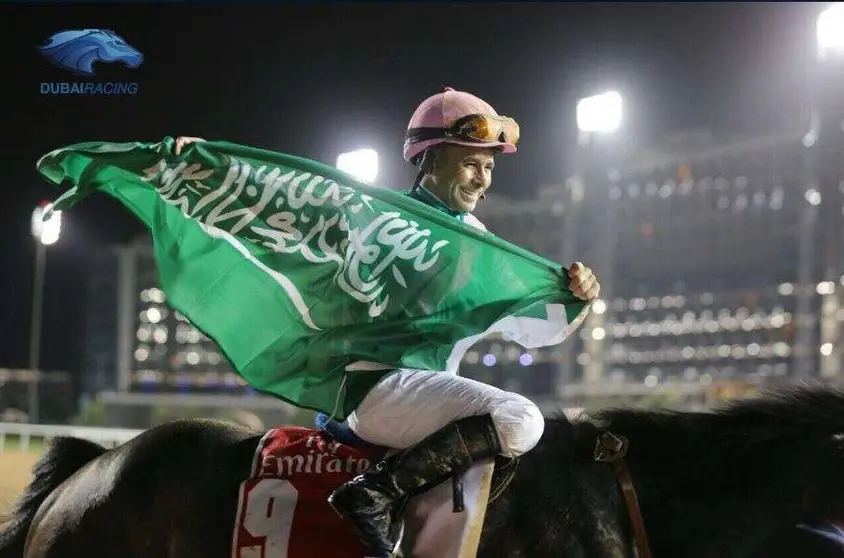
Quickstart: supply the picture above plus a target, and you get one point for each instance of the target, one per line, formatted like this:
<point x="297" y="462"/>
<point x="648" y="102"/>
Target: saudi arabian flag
<point x="314" y="285"/>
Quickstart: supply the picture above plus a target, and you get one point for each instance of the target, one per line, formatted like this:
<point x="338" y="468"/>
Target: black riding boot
<point x="373" y="500"/>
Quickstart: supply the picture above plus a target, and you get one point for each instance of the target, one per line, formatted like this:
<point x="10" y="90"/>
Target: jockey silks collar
<point x="419" y="192"/>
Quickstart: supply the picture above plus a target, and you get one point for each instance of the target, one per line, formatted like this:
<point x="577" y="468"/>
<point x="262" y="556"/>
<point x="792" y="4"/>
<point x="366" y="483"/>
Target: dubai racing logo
<point x="77" y="51"/>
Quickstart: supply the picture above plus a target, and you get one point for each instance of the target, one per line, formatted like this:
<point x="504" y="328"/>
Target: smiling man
<point x="440" y="423"/>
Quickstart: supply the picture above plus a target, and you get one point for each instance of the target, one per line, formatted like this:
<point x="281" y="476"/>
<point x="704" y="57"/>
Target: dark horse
<point x="732" y="483"/>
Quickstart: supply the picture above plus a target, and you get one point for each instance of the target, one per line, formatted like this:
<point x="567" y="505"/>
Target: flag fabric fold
<point x="312" y="284"/>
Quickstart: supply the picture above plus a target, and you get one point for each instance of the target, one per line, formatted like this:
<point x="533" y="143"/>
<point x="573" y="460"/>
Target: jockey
<point x="441" y="424"/>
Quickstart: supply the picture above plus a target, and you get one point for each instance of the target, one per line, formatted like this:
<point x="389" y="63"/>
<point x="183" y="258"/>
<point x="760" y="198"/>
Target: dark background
<point x="316" y="80"/>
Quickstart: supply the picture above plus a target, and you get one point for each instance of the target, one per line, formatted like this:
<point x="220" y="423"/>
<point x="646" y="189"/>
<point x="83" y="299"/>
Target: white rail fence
<point x="36" y="434"/>
<point x="16" y="436"/>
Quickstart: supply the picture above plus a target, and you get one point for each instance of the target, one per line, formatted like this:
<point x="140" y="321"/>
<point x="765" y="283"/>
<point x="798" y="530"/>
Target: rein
<point x="611" y="448"/>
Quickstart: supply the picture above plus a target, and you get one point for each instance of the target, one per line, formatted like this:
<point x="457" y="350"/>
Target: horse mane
<point x="793" y="407"/>
<point x="722" y="479"/>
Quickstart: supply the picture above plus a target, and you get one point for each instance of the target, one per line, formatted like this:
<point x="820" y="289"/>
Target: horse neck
<point x="710" y="485"/>
<point x="558" y="504"/>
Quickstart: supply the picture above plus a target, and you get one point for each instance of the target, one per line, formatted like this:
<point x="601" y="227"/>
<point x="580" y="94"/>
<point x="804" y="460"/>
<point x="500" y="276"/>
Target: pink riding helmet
<point x="442" y="111"/>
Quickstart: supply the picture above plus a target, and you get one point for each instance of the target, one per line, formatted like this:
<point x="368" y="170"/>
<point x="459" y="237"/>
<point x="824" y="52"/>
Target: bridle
<point x="611" y="448"/>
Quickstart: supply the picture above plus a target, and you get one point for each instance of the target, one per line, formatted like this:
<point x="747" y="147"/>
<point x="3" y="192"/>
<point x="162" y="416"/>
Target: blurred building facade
<point x="720" y="266"/>
<point x="145" y="362"/>
<point x="711" y="261"/>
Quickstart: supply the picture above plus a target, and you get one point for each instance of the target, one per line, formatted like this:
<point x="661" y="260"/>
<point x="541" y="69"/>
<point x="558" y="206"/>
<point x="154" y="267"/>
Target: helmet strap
<point x="427" y="159"/>
<point x="418" y="182"/>
<point x="424" y="160"/>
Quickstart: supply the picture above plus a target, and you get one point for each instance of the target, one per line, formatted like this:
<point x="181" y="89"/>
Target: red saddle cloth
<point x="282" y="509"/>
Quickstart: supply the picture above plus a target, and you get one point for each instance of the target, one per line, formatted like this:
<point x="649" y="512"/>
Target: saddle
<point x="284" y="499"/>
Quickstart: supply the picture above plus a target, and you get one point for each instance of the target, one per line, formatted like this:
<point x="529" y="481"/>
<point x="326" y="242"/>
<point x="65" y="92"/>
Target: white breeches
<point x="408" y="405"/>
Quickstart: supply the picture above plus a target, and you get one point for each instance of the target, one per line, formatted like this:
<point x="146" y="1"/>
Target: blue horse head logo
<point x="77" y="50"/>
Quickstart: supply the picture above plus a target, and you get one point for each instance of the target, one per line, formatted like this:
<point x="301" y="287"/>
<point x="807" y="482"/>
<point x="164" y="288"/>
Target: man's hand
<point x="583" y="283"/>
<point x="182" y="141"/>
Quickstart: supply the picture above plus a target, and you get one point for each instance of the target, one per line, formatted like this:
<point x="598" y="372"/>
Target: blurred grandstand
<point x="145" y="364"/>
<point x="719" y="272"/>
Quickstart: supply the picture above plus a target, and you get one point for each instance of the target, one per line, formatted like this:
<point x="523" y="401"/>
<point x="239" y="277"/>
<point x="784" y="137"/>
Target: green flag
<point x="313" y="284"/>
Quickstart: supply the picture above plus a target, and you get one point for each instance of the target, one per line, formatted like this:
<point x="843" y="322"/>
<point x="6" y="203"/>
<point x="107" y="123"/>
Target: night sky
<point x="317" y="80"/>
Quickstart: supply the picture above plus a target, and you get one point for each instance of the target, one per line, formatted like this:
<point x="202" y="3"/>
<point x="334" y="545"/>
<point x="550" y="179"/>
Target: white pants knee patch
<point x="409" y="405"/>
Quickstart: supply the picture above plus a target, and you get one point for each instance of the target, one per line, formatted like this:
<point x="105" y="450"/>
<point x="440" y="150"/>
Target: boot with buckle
<point x="374" y="500"/>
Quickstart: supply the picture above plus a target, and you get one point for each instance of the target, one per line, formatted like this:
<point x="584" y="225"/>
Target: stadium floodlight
<point x="600" y="113"/>
<point x="362" y="164"/>
<point x="830" y="30"/>
<point x="47" y="231"/>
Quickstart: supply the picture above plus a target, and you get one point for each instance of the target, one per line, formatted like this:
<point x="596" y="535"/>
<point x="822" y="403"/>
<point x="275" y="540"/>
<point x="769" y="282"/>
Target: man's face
<point x="460" y="175"/>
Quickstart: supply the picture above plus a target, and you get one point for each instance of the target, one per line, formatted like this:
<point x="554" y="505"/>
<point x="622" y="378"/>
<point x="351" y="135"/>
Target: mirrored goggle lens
<point x="487" y="128"/>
